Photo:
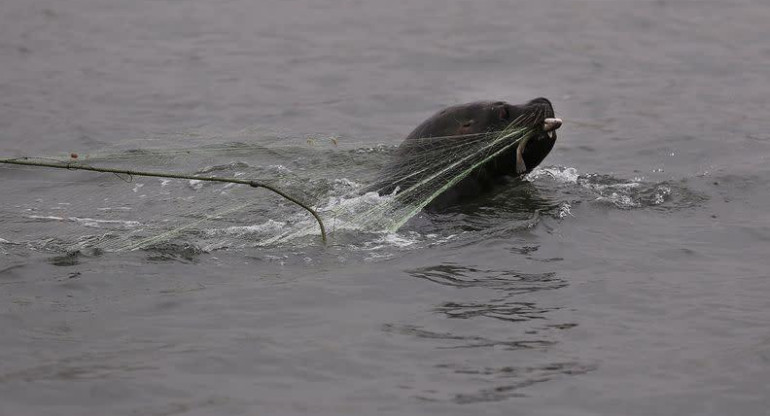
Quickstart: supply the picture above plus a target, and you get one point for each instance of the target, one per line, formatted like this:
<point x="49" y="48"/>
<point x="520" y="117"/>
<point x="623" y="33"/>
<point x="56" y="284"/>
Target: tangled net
<point x="147" y="213"/>
<point x="426" y="168"/>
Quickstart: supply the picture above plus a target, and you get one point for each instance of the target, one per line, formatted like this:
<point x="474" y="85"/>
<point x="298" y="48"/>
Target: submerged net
<point x="67" y="211"/>
<point x="76" y="210"/>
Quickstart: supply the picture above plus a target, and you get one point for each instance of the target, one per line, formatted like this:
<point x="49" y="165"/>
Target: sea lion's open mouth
<point x="550" y="125"/>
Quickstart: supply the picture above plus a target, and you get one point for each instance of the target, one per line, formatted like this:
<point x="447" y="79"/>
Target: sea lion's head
<point x="465" y="149"/>
<point x="481" y="117"/>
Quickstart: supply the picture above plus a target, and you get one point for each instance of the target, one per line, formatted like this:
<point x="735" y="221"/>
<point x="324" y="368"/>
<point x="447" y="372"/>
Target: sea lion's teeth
<point x="550" y="134"/>
<point x="551" y="124"/>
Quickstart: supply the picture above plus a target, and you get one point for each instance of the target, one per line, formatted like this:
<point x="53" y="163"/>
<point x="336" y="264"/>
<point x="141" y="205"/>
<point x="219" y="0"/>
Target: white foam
<point x="195" y="184"/>
<point x="560" y="174"/>
<point x="88" y="222"/>
<point x="281" y="169"/>
<point x="633" y="193"/>
<point x="339" y="213"/>
<point x="393" y="240"/>
<point x="346" y="183"/>
<point x="619" y="200"/>
<point x="351" y="205"/>
<point x="661" y="194"/>
<point x="377" y="249"/>
<point x="268" y="227"/>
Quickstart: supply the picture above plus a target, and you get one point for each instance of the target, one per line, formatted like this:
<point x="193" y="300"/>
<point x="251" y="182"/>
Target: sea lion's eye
<point x="467" y="124"/>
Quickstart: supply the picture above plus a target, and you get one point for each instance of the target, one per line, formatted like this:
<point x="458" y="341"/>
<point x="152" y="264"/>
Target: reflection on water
<point x="509" y="281"/>
<point x="89" y="366"/>
<point x="496" y="308"/>
<point x="510" y="379"/>
<point x="464" y="341"/>
<point x="518" y="325"/>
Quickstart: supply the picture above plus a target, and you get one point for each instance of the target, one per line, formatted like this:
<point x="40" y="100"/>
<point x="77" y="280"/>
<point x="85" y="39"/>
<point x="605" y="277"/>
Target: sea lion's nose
<point x="551" y="124"/>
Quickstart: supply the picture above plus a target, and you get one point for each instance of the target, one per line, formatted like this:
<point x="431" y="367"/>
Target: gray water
<point x="628" y="276"/>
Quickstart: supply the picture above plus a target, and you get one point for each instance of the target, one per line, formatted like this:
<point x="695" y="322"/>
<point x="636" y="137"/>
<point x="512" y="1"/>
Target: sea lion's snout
<point x="550" y="125"/>
<point x="533" y="148"/>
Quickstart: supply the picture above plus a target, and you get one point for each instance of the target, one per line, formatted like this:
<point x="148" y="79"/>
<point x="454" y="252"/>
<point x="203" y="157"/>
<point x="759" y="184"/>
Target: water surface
<point x="627" y="276"/>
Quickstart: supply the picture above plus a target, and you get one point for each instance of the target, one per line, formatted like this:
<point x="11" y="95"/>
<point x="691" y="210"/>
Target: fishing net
<point x="119" y="212"/>
<point x="427" y="167"/>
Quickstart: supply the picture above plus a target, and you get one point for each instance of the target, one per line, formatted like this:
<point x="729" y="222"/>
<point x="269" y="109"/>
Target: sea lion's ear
<point x="503" y="113"/>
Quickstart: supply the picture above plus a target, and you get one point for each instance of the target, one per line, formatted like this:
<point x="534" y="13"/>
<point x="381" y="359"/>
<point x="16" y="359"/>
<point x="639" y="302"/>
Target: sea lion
<point x="436" y="139"/>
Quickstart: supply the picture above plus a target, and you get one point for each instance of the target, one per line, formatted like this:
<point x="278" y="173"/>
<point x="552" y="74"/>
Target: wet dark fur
<point x="459" y="121"/>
